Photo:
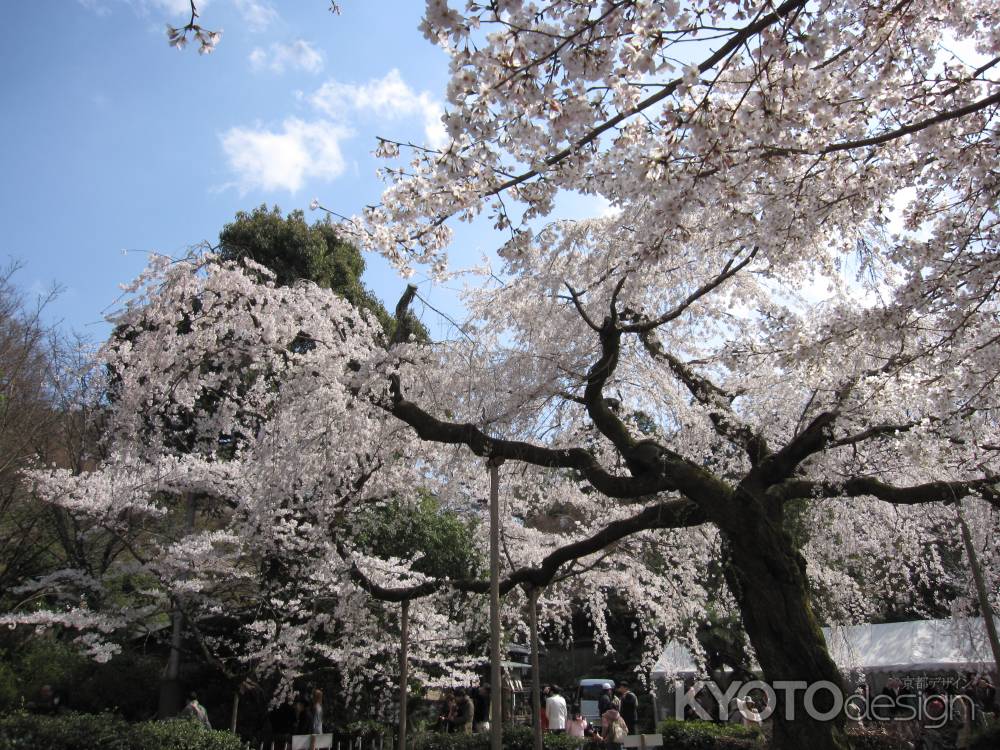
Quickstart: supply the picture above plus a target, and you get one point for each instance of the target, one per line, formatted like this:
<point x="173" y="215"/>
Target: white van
<point x="588" y="692"/>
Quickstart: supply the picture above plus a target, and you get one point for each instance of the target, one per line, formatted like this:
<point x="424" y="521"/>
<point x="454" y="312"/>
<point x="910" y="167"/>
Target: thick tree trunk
<point x="768" y="577"/>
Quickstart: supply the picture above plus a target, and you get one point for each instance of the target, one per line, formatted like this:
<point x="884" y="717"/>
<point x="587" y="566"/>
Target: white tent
<point x="919" y="646"/>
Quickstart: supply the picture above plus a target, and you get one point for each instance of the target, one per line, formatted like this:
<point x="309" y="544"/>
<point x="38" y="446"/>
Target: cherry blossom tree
<point x="796" y="275"/>
<point x="276" y="394"/>
<point x="786" y="314"/>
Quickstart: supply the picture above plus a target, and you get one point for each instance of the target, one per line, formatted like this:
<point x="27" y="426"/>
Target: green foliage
<point x="127" y="684"/>
<point x="707" y="735"/>
<point x="399" y="529"/>
<point x="10" y="695"/>
<point x="180" y="735"/>
<point x="70" y="731"/>
<point x="368" y="729"/>
<point x="45" y="660"/>
<point x="293" y="250"/>
<point x="875" y="738"/>
<point x="515" y="737"/>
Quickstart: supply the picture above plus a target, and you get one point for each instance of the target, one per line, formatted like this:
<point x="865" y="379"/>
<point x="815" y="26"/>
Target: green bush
<point x="368" y="729"/>
<point x="10" y="695"/>
<point x="707" y="735"/>
<point x="515" y="737"/>
<point x="875" y="738"/>
<point x="72" y="731"/>
<point x="180" y="735"/>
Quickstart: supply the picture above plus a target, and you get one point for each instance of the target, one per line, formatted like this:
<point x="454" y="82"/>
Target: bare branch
<point x="728" y="271"/>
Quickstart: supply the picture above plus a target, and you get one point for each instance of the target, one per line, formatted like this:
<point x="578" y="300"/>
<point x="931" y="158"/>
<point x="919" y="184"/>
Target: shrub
<point x="72" y="731"/>
<point x="180" y="735"/>
<point x="707" y="735"/>
<point x="875" y="738"/>
<point x="368" y="729"/>
<point x="515" y="737"/>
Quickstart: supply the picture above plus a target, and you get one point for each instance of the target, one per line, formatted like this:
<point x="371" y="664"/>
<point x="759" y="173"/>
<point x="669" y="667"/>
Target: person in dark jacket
<point x="605" y="701"/>
<point x="481" y="716"/>
<point x="302" y="723"/>
<point x="466" y="709"/>
<point x="629" y="706"/>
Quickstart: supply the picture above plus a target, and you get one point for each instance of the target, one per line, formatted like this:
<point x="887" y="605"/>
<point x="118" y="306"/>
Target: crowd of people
<point x="468" y="710"/>
<point x="304" y="715"/>
<point x="935" y="714"/>
<point x="465" y="710"/>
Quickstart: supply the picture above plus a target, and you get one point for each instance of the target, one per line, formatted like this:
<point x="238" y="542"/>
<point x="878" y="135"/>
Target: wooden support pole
<point x="235" y="711"/>
<point x="981" y="592"/>
<point x="496" y="657"/>
<point x="404" y="634"/>
<point x="536" y="676"/>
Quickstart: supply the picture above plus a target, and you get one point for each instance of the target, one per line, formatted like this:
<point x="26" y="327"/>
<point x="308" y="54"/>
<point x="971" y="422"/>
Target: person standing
<point x="303" y="721"/>
<point x="629" y="708"/>
<point x="195" y="711"/>
<point x="613" y="729"/>
<point x="316" y="712"/>
<point x="466" y="711"/>
<point x="604" y="702"/>
<point x="481" y="717"/>
<point x="543" y="717"/>
<point x="556" y="711"/>
<point x="576" y="725"/>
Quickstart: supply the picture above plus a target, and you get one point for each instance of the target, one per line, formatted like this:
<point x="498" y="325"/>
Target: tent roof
<point x="919" y="645"/>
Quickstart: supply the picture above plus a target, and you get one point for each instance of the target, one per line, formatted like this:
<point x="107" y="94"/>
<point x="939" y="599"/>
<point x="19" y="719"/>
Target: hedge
<point x="875" y="738"/>
<point x="72" y="731"/>
<point x="708" y="735"/>
<point x="515" y="737"/>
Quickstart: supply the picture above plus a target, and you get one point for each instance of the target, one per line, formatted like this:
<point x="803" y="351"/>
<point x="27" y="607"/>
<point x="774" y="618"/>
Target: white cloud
<point x="283" y="160"/>
<point x="257" y="14"/>
<point x="95" y="6"/>
<point x="299" y="55"/>
<point x="390" y="98"/>
<point x="174" y="7"/>
<point x="175" y="10"/>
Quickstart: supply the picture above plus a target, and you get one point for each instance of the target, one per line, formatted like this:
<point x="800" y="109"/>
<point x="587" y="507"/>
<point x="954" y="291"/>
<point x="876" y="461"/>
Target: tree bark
<point x="171" y="695"/>
<point x="767" y="575"/>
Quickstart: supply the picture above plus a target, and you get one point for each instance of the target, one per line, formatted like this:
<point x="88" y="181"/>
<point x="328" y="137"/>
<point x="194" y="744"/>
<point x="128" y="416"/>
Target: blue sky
<point x="114" y="141"/>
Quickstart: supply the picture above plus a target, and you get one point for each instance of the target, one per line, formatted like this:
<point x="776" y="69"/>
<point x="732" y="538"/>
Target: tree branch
<point x="930" y="492"/>
<point x="718" y="401"/>
<point x="673" y="514"/>
<point x="728" y="271"/>
<point x="429" y="427"/>
<point x="733" y="44"/>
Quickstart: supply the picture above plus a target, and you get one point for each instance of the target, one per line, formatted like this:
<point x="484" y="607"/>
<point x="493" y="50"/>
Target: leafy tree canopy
<point x="294" y="250"/>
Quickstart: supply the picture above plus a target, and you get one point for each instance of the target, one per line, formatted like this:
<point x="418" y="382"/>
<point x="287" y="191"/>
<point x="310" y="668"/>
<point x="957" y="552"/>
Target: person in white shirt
<point x="555" y="710"/>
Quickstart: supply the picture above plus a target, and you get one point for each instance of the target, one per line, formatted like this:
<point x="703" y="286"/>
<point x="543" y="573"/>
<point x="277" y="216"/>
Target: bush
<point x="107" y="732"/>
<point x="875" y="738"/>
<point x="707" y="735"/>
<point x="515" y="737"/>
<point x="180" y="735"/>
